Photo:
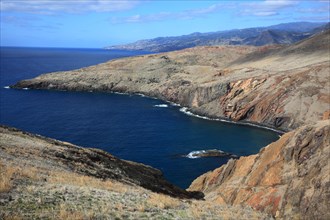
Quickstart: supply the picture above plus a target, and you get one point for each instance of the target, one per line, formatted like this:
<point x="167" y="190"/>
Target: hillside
<point x="282" y="87"/>
<point x="287" y="33"/>
<point x="289" y="178"/>
<point x="42" y="178"/>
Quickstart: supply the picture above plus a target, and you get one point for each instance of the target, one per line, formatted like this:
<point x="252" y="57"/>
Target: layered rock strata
<point x="86" y="161"/>
<point x="280" y="87"/>
<point x="42" y="178"/>
<point x="289" y="178"/>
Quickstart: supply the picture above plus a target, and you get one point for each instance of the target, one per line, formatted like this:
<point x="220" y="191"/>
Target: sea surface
<point x="131" y="127"/>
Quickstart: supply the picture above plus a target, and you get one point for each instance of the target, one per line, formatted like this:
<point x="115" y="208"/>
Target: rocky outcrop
<point x="209" y="153"/>
<point x="289" y="178"/>
<point x="90" y="162"/>
<point x="42" y="178"/>
<point x="279" y="87"/>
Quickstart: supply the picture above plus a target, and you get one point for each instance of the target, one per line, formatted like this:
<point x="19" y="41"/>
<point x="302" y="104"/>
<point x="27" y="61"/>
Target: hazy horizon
<point x="96" y="24"/>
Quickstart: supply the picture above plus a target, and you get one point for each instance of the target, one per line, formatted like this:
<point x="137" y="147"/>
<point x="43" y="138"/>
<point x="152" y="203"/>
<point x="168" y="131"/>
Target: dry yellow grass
<point x="6" y="174"/>
<point x="162" y="201"/>
<point x="195" y="211"/>
<point x="85" y="181"/>
<point x="64" y="213"/>
<point x="28" y="172"/>
<point x="14" y="217"/>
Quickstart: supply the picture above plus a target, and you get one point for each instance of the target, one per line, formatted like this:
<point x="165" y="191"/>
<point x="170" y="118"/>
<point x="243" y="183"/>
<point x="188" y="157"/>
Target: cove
<point x="131" y="127"/>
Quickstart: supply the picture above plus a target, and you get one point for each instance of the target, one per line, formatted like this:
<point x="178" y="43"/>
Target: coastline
<point x="288" y="178"/>
<point x="183" y="109"/>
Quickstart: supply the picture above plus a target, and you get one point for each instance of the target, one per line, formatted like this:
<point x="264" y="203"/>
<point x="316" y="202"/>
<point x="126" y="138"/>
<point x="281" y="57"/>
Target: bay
<point x="131" y="127"/>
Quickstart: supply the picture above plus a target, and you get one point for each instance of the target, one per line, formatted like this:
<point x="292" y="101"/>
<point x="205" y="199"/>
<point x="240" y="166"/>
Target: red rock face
<point x="281" y="87"/>
<point x="280" y="101"/>
<point x="289" y="178"/>
<point x="326" y="115"/>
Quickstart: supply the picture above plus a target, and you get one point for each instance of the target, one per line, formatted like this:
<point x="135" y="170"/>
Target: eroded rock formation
<point x="289" y="178"/>
<point x="280" y="87"/>
<point x="88" y="161"/>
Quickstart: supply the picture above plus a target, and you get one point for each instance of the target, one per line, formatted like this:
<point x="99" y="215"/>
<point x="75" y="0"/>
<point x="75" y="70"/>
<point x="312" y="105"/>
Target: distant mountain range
<point x="286" y="33"/>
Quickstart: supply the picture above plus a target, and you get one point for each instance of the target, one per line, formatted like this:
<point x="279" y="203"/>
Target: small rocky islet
<point x="282" y="87"/>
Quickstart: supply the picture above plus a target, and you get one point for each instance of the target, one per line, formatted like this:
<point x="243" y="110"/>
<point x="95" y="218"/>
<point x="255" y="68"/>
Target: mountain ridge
<point x="281" y="86"/>
<point x="287" y="33"/>
<point x="217" y="81"/>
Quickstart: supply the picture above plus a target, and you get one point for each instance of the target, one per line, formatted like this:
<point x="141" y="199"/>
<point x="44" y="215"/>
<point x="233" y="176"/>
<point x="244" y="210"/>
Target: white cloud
<point x="254" y="8"/>
<point x="322" y="8"/>
<point x="265" y="13"/>
<point x="66" y="6"/>
<point x="187" y="14"/>
<point x="267" y="7"/>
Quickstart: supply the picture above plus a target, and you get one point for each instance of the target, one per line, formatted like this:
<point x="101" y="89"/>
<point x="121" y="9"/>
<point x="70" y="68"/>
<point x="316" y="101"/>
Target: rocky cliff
<point x="89" y="161"/>
<point x="289" y="178"/>
<point x="280" y="87"/>
<point x="42" y="178"/>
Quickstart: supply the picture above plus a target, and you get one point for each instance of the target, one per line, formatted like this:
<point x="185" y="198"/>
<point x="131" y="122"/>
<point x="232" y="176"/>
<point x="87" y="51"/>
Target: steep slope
<point x="85" y="161"/>
<point x="279" y="87"/>
<point x="274" y="37"/>
<point x="42" y="178"/>
<point x="289" y="178"/>
<point x="315" y="47"/>
<point x="285" y="33"/>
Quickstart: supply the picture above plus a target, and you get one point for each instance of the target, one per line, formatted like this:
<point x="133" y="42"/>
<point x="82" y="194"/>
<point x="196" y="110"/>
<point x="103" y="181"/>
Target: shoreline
<point x="183" y="109"/>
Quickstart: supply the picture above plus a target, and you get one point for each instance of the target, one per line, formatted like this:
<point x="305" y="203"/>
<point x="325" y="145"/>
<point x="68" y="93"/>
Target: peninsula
<point x="280" y="87"/>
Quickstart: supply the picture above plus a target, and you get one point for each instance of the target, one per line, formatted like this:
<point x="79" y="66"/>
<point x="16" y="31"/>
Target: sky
<point x="100" y="23"/>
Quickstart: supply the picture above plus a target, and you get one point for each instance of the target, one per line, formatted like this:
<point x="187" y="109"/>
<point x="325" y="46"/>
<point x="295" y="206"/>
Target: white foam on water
<point x="120" y="93"/>
<point x="6" y="87"/>
<point x="146" y="96"/>
<point x="25" y="88"/>
<point x="174" y="104"/>
<point x="161" y="106"/>
<point x="187" y="112"/>
<point x="194" y="154"/>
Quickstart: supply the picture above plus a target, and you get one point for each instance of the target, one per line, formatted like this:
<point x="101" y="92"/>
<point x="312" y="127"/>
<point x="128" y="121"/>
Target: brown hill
<point x="318" y="44"/>
<point x="42" y="178"/>
<point x="289" y="178"/>
<point x="281" y="88"/>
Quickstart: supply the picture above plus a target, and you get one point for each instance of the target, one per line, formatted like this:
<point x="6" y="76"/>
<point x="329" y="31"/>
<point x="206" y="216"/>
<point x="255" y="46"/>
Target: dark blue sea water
<point x="128" y="126"/>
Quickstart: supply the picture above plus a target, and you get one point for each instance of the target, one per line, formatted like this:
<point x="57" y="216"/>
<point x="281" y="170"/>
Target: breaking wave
<point x="187" y="112"/>
<point x="161" y="106"/>
<point x="120" y="93"/>
<point x="209" y="153"/>
<point x="6" y="87"/>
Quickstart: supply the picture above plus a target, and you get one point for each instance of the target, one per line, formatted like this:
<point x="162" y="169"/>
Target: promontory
<point x="285" y="88"/>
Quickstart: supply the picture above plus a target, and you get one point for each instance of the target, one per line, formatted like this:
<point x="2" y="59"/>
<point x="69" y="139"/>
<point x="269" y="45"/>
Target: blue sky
<point x="99" y="23"/>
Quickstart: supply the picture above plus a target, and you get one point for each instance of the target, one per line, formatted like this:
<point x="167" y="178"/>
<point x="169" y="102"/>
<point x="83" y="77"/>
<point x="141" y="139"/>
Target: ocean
<point x="131" y="127"/>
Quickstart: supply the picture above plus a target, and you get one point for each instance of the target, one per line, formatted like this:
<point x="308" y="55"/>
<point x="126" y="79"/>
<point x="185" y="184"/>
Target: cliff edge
<point x="289" y="178"/>
<point x="282" y="87"/>
<point x="42" y="178"/>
